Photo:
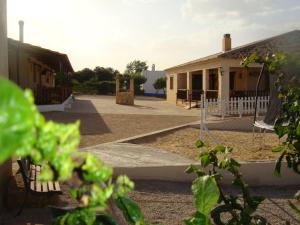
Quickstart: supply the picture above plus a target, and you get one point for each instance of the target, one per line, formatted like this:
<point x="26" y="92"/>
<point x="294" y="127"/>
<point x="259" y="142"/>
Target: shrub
<point x="160" y="84"/>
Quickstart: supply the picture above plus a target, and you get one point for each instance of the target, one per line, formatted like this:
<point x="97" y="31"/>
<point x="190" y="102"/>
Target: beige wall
<point x="246" y="80"/>
<point x="171" y="93"/>
<point x="182" y="81"/>
<point x="30" y="71"/>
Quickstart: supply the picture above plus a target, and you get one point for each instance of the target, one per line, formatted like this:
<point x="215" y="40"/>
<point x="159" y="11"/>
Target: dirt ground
<point x="101" y="128"/>
<point x="165" y="203"/>
<point x="246" y="147"/>
<point x="169" y="203"/>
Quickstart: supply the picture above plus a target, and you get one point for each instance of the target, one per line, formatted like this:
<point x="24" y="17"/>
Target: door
<point x="232" y="80"/>
<point x="197" y="82"/>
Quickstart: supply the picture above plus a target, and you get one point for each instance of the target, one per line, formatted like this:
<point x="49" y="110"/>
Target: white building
<point x="152" y="76"/>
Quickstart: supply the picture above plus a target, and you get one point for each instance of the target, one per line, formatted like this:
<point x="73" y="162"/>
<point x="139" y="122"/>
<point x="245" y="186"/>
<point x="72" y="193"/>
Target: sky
<point x="111" y="33"/>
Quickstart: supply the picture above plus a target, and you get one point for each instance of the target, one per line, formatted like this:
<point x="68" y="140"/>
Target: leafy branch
<point x="25" y="133"/>
<point x="210" y="199"/>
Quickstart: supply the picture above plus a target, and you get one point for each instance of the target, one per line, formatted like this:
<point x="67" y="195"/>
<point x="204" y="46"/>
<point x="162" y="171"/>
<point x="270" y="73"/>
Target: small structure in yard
<point x="152" y="76"/>
<point x="125" y="94"/>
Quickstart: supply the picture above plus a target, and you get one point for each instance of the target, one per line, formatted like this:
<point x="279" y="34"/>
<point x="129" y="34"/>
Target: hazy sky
<point x="111" y="33"/>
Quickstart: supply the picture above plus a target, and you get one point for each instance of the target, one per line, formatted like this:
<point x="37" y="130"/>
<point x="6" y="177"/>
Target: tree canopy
<point x="160" y="83"/>
<point x="136" y="67"/>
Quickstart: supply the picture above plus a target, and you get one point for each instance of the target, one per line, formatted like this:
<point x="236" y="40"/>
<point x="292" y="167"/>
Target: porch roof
<point x="288" y="42"/>
<point x="47" y="56"/>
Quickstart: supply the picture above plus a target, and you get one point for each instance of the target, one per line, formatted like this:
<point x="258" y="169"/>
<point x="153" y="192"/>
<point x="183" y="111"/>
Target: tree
<point x="105" y="74"/>
<point x="84" y="75"/>
<point x="134" y="71"/>
<point x="136" y="67"/>
<point x="63" y="80"/>
<point x="159" y="84"/>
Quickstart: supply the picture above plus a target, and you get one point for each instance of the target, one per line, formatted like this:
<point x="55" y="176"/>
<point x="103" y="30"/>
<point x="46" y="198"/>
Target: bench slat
<point x="38" y="183"/>
<point x="57" y="187"/>
<point x="32" y="176"/>
<point x="37" y="186"/>
<point x="45" y="186"/>
<point x="51" y="186"/>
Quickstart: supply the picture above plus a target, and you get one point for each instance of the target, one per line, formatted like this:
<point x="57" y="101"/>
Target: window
<point x="171" y="83"/>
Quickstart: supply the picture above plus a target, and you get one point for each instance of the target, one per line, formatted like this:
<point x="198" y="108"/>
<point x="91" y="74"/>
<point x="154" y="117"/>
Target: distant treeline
<point x="103" y="80"/>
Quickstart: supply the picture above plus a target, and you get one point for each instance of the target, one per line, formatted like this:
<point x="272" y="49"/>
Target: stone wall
<point x="125" y="97"/>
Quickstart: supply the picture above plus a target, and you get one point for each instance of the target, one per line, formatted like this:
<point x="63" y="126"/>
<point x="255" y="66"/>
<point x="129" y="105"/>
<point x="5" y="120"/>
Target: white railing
<point x="235" y="106"/>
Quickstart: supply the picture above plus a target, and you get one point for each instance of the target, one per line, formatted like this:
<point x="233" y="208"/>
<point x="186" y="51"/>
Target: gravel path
<point x="245" y="146"/>
<point x="101" y="128"/>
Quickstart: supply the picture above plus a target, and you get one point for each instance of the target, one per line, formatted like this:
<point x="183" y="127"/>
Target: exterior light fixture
<point x="221" y="70"/>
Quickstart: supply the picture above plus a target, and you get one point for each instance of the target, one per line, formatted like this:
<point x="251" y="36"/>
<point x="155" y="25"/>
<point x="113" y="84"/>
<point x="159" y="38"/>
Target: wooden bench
<point x="30" y="174"/>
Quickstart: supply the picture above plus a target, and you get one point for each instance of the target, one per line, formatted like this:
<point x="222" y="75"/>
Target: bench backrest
<point x="24" y="165"/>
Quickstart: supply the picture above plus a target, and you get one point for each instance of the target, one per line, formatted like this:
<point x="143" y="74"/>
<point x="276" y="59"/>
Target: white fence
<point x="235" y="106"/>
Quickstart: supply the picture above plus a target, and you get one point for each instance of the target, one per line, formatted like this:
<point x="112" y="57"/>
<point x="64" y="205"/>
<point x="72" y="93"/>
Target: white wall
<point x="152" y="76"/>
<point x="3" y="40"/>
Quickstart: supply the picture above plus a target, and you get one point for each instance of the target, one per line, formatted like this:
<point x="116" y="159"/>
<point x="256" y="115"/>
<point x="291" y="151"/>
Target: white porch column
<point x="3" y="40"/>
<point x="223" y="78"/>
<point x="189" y="81"/>
<point x="189" y="86"/>
<point x="205" y="77"/>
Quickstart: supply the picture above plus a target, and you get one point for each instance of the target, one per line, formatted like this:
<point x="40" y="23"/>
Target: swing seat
<point x="262" y="125"/>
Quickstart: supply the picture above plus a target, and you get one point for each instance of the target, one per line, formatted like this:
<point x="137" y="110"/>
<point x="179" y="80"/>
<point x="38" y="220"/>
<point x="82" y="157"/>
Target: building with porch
<point x="221" y="75"/>
<point x="35" y="67"/>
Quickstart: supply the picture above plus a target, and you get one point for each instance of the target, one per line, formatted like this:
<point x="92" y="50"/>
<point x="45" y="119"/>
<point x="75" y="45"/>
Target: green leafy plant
<point x="287" y="126"/>
<point x="210" y="199"/>
<point x="160" y="84"/>
<point x="25" y="133"/>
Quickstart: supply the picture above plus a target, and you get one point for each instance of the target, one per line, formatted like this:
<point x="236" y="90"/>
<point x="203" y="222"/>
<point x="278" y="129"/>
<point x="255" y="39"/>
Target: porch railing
<point x="47" y="95"/>
<point x="195" y="95"/>
<point x="236" y="106"/>
<point x="182" y="94"/>
<point x="242" y="94"/>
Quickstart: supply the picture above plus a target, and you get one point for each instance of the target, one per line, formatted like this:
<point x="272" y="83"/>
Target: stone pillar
<point x="132" y="88"/>
<point x="117" y="86"/>
<point x="224" y="87"/>
<point x="3" y="40"/>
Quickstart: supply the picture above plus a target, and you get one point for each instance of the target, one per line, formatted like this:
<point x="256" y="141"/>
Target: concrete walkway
<point x="131" y="155"/>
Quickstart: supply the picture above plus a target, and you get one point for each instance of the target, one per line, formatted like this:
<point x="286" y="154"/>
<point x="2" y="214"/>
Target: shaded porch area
<point x="220" y="83"/>
<point x="242" y="82"/>
<point x="191" y="85"/>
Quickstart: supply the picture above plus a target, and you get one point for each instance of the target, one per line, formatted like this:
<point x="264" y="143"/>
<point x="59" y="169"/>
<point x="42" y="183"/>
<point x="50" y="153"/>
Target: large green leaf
<point x="131" y="211"/>
<point x="16" y="120"/>
<point x="206" y="194"/>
